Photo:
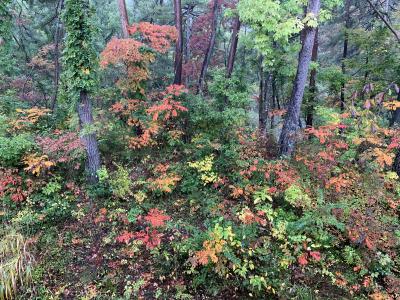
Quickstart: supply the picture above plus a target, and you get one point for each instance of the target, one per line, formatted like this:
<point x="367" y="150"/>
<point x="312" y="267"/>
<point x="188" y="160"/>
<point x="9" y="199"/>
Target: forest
<point x="199" y="149"/>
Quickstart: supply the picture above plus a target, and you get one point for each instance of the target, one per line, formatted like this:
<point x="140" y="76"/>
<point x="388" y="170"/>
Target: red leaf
<point x="302" y="259"/>
<point x="316" y="255"/>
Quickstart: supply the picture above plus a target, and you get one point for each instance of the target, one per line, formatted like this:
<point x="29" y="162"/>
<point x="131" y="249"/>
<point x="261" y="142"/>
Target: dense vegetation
<point x="199" y="149"/>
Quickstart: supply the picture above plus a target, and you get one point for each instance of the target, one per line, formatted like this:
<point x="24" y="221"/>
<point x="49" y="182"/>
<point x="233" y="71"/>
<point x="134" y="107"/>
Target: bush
<point x="12" y="149"/>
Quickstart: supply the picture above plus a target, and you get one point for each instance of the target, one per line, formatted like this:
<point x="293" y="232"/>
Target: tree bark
<point x="124" y="18"/>
<point x="179" y="43"/>
<point x="345" y="51"/>
<point x="88" y="139"/>
<point x="261" y="100"/>
<point x="233" y="47"/>
<point x="396" y="114"/>
<point x="287" y="139"/>
<point x="313" y="84"/>
<point x="210" y="48"/>
<point x="188" y="36"/>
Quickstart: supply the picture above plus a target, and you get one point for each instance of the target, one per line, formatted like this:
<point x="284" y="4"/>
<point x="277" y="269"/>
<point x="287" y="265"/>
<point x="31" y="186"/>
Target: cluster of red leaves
<point x="126" y="106"/>
<point x="168" y="106"/>
<point x="156" y="217"/>
<point x="322" y="163"/>
<point x="11" y="185"/>
<point x="132" y="53"/>
<point x="163" y="181"/>
<point x="323" y="133"/>
<point x="394" y="144"/>
<point x="366" y="229"/>
<point x="282" y="174"/>
<point x="248" y="217"/>
<point x="252" y="145"/>
<point x="125" y="51"/>
<point x="158" y="37"/>
<point x="145" y="131"/>
<point x="305" y="257"/>
<point x="128" y="52"/>
<point x="150" y="236"/>
<point x="145" y="139"/>
<point x="62" y="148"/>
<point x="341" y="182"/>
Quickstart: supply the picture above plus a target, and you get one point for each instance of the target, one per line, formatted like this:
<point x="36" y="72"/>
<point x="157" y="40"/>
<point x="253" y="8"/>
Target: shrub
<point x="12" y="149"/>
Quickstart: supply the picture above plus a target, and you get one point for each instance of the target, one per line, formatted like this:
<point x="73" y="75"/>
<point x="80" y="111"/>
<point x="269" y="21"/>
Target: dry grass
<point x="15" y="264"/>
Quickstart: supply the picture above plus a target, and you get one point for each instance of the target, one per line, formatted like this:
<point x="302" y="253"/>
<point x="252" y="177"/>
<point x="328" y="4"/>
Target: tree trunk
<point x="396" y="164"/>
<point x="287" y="139"/>
<point x="210" y="48"/>
<point x="233" y="47"/>
<point x="261" y="100"/>
<point x="396" y="114"/>
<point x="88" y="139"/>
<point x="188" y="36"/>
<point x="345" y="51"/>
<point x="57" y="37"/>
<point x="124" y="18"/>
<point x="232" y="52"/>
<point x="313" y="84"/>
<point x="179" y="43"/>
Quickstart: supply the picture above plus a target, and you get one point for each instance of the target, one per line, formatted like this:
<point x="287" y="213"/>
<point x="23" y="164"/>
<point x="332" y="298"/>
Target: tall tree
<point x="313" y="84"/>
<point x="124" y="18"/>
<point x="287" y="139"/>
<point x="210" y="47"/>
<point x="345" y="50"/>
<point x="261" y="99"/>
<point x="233" y="47"/>
<point x="179" y="42"/>
<point x="188" y="37"/>
<point x="79" y="74"/>
<point x="5" y="35"/>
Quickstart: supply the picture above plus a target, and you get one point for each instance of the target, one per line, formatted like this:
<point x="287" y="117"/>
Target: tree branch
<point x="382" y="17"/>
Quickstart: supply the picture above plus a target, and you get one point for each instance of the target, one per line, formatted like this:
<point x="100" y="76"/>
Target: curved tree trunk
<point x="210" y="48"/>
<point x="124" y="18"/>
<point x="88" y="139"/>
<point x="287" y="139"/>
<point x="179" y="43"/>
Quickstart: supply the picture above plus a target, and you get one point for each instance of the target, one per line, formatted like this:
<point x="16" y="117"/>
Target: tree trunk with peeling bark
<point x="287" y="139"/>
